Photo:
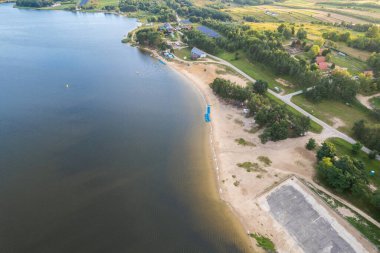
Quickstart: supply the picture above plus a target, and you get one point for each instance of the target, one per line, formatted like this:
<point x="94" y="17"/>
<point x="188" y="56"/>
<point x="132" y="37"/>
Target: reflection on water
<point x="102" y="149"/>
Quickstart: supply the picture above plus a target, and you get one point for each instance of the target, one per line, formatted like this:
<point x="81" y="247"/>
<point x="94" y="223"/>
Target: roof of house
<point x="320" y="59"/>
<point x="368" y="73"/>
<point x="209" y="32"/>
<point x="323" y="65"/>
<point x="197" y="51"/>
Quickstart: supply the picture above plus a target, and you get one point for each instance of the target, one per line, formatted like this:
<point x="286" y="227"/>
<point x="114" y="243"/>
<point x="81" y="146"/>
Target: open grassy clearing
<point x="353" y="65"/>
<point x="270" y="13"/>
<point x="255" y="70"/>
<point x="183" y="53"/>
<point x="336" y="113"/>
<point x="356" y="53"/>
<point x="375" y="102"/>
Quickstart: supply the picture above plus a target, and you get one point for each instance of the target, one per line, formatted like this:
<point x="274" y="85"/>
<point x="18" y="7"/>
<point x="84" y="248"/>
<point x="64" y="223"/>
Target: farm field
<point x="336" y="113"/>
<point x="353" y="65"/>
<point x="315" y="31"/>
<point x="293" y="13"/>
<point x="337" y="13"/>
<point x="359" y="54"/>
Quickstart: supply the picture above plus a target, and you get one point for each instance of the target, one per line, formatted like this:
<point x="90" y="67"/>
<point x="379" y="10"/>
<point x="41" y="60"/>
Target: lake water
<point x="102" y="148"/>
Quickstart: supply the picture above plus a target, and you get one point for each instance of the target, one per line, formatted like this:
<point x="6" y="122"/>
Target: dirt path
<point x="365" y="100"/>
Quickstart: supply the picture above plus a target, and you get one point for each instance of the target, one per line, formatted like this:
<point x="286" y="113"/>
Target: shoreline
<point x="288" y="157"/>
<point x="211" y="141"/>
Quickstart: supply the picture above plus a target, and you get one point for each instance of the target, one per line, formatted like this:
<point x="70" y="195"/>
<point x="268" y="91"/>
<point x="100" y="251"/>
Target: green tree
<point x="375" y="200"/>
<point x="373" y="32"/>
<point x="311" y="144"/>
<point x="327" y="150"/>
<point x="372" y="155"/>
<point x="314" y="51"/>
<point x="300" y="125"/>
<point x="356" y="148"/>
<point x="374" y="61"/>
<point x="260" y="86"/>
<point x="301" y="34"/>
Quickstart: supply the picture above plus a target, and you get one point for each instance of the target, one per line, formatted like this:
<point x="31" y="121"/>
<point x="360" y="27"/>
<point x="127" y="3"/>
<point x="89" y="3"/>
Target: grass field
<point x="375" y="102"/>
<point x="255" y="70"/>
<point x="336" y="113"/>
<point x="270" y="13"/>
<point x="353" y="65"/>
<point x="184" y="53"/>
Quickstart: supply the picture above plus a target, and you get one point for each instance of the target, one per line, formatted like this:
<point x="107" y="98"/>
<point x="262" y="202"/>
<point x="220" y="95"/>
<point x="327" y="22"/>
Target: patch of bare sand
<point x="238" y="187"/>
<point x="337" y="122"/>
<point x="284" y="82"/>
<point x="345" y="212"/>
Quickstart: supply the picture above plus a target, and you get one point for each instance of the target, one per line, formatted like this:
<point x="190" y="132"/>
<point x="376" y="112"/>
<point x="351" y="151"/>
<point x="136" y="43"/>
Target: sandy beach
<point x="241" y="189"/>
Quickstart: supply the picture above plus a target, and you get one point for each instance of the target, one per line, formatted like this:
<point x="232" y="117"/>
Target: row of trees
<point x="369" y="42"/>
<point x="279" y="123"/>
<point x="345" y="174"/>
<point x="34" y="3"/>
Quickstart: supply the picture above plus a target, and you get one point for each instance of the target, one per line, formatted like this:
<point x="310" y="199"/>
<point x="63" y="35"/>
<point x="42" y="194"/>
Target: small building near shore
<point x="197" y="53"/>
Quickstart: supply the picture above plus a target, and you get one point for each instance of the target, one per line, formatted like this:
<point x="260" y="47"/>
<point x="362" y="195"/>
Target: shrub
<point x="311" y="144"/>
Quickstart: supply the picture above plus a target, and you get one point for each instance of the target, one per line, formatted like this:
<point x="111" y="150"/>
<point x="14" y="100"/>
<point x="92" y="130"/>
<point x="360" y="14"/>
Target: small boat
<point x="67" y="85"/>
<point x="161" y="61"/>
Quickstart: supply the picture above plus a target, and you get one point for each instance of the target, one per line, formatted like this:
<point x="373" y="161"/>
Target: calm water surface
<point x="116" y="162"/>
